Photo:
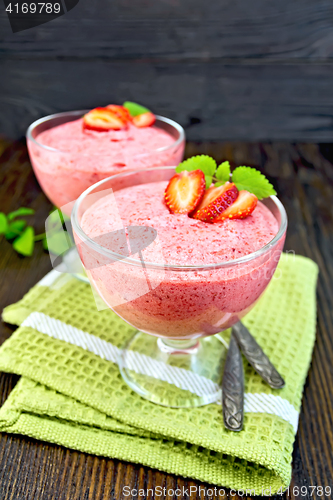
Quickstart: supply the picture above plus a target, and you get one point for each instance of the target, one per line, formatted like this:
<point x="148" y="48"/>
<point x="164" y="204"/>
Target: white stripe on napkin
<point x="140" y="363"/>
<point x="55" y="279"/>
<point x="49" y="278"/>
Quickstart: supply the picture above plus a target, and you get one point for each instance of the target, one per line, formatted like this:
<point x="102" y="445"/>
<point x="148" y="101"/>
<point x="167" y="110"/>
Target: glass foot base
<point x="174" y="373"/>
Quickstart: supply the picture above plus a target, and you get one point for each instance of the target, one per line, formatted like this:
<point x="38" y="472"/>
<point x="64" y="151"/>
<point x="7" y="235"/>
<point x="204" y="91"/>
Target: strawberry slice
<point x="144" y="120"/>
<point x="120" y="111"/>
<point x="102" y="120"/>
<point x="185" y="191"/>
<point x="241" y="208"/>
<point x="216" y="201"/>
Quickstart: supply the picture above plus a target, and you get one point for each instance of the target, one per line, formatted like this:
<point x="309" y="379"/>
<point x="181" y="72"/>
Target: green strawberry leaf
<point x="15" y="228"/>
<point x="20" y="211"/>
<point x="3" y="223"/>
<point x="24" y="244"/>
<point x="135" y="109"/>
<point x="253" y="181"/>
<point x="223" y="172"/>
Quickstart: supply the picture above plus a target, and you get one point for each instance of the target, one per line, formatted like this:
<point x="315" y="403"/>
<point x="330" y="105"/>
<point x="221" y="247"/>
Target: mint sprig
<point x="252" y="180"/>
<point x="135" y="109"/>
<point x="245" y="178"/>
<point x="201" y="162"/>
<point x="18" y="232"/>
<point x="58" y="239"/>
<point x="222" y="173"/>
<point x="19" y="212"/>
<point x="14" y="229"/>
<point x="23" y="237"/>
<point x="3" y="223"/>
<point x="25" y="243"/>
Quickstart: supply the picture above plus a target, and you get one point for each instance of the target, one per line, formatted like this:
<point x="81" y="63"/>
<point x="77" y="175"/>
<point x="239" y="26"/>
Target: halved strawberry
<point x="144" y="120"/>
<point x="185" y="191"/>
<point x="241" y="208"/>
<point x="103" y="119"/>
<point x="215" y="201"/>
<point x="120" y="111"/>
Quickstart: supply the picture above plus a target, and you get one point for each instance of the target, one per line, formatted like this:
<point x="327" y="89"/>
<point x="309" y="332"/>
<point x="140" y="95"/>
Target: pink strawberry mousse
<point x="74" y="158"/>
<point x="180" y="303"/>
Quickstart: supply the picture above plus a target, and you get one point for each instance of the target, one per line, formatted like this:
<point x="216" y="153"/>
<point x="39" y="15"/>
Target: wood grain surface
<point x="303" y="176"/>
<point x="179" y="30"/>
<point x="225" y="70"/>
<point x="213" y="101"/>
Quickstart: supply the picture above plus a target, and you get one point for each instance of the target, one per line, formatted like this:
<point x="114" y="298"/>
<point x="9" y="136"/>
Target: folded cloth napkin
<point x="71" y="392"/>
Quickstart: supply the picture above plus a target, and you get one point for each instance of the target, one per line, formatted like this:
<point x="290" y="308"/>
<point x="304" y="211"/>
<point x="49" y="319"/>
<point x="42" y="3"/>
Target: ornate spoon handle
<point x="233" y="388"/>
<point x="256" y="356"/>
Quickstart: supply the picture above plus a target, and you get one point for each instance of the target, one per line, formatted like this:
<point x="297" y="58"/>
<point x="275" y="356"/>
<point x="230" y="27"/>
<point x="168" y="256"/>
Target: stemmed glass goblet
<point x="175" y="357"/>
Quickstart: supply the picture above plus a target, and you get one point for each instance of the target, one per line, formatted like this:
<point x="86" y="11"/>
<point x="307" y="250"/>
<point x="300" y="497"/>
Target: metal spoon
<point x="233" y="388"/>
<point x="256" y="356"/>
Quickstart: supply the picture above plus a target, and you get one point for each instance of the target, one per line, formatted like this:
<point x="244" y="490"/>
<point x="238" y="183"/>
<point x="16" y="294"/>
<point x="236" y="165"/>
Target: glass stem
<point x="172" y="346"/>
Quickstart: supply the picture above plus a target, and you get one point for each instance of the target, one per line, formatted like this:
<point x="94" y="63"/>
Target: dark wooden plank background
<point x="228" y="69"/>
<point x="303" y="176"/>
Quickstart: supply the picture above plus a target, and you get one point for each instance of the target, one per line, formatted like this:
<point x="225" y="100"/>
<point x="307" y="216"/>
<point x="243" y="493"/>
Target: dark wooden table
<point x="303" y="177"/>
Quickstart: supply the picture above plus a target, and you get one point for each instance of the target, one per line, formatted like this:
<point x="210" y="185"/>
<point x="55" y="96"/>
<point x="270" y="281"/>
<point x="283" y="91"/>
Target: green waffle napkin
<point x="71" y="392"/>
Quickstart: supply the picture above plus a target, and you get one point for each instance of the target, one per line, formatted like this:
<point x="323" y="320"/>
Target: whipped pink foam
<point x="183" y="240"/>
<point x="169" y="302"/>
<point x="121" y="144"/>
<point x="80" y="158"/>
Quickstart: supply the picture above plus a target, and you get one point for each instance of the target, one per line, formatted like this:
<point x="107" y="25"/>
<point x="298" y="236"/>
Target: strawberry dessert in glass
<point x="71" y="151"/>
<point x="180" y="261"/>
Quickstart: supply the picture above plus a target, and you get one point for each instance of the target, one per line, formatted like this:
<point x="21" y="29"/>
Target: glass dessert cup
<point x="175" y="357"/>
<point x="64" y="175"/>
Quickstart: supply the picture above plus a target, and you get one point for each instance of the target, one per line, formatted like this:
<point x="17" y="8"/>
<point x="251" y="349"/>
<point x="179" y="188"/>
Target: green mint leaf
<point x="223" y="172"/>
<point x="62" y="215"/>
<point x="3" y="223"/>
<point x="57" y="243"/>
<point x="15" y="228"/>
<point x="21" y="211"/>
<point x="135" y="109"/>
<point x="209" y="180"/>
<point x="219" y="183"/>
<point x="201" y="162"/>
<point x="252" y="180"/>
<point x="24" y="244"/>
<point x="56" y="219"/>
